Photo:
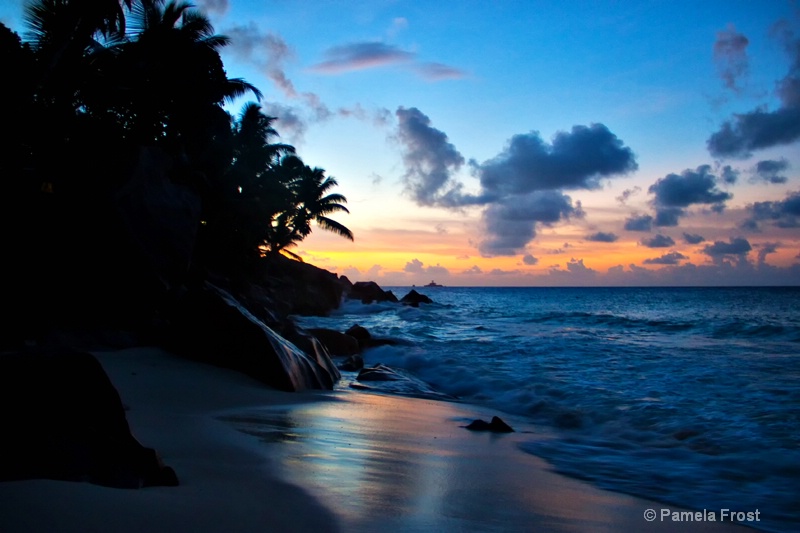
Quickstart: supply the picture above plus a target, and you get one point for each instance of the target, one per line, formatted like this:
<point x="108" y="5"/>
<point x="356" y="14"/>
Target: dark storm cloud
<point x="782" y="214"/>
<point x="428" y="156"/>
<point x="521" y="188"/>
<point x="729" y="175"/>
<point x="693" y="238"/>
<point x="511" y="224"/>
<point x="668" y="216"/>
<point x="578" y="159"/>
<point x="690" y="187"/>
<point x="639" y="223"/>
<point x="669" y="258"/>
<point x="658" y="241"/>
<point x="755" y="131"/>
<point x="358" y="56"/>
<point x="760" y="128"/>
<point x="730" y="55"/>
<point x="602" y="236"/>
<point x="771" y="171"/>
<point x="737" y="246"/>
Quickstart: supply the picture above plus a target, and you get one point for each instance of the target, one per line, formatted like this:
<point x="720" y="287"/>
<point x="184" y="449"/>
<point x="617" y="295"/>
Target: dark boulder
<point x="414" y="298"/>
<point x="382" y="378"/>
<point x="299" y="288"/>
<point x="63" y="419"/>
<point x="335" y="342"/>
<point x="211" y="326"/>
<point x="497" y="425"/>
<point x="360" y="334"/>
<point x="369" y="292"/>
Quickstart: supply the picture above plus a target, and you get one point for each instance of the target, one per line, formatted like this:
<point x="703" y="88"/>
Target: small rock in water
<point x="497" y="425"/>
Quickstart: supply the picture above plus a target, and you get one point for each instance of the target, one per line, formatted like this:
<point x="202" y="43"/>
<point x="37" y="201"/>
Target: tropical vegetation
<point x="92" y="83"/>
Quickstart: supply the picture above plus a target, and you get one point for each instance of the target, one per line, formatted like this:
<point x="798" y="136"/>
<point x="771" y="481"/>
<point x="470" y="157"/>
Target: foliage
<point x="94" y="81"/>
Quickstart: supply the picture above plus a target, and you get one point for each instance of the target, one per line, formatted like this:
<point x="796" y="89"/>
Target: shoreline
<point x="250" y="458"/>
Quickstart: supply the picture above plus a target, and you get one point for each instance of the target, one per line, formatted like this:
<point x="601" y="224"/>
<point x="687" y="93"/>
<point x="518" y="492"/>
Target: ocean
<point x="686" y="396"/>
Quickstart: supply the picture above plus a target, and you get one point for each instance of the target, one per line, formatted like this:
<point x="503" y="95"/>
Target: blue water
<point x="688" y="396"/>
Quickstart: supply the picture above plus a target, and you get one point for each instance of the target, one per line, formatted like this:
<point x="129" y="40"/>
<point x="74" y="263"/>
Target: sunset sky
<point x="537" y="143"/>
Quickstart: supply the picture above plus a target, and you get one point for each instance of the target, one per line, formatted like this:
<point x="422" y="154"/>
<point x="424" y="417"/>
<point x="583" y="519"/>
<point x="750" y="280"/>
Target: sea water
<point x="687" y="396"/>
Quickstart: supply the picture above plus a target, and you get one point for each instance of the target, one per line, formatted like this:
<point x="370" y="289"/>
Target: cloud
<point x="756" y="130"/>
<point x="428" y="156"/>
<point x="627" y="193"/>
<point x="359" y="56"/>
<point x="374" y="54"/>
<point x="521" y="188"/>
<point x="730" y="55"/>
<point x="289" y="122"/>
<point x="601" y="236"/>
<point x="510" y="224"/>
<point x="693" y="238"/>
<point x="658" y="241"/>
<point x="760" y="128"/>
<point x="218" y="7"/>
<point x="269" y="52"/>
<point x="782" y="214"/>
<point x="737" y="246"/>
<point x="474" y="269"/>
<point x="765" y="249"/>
<point x="639" y="223"/>
<point x="415" y="266"/>
<point x="769" y="171"/>
<point x="669" y="258"/>
<point x="690" y="187"/>
<point x="528" y="259"/>
<point x="578" y="159"/>
<point x="438" y="71"/>
<point x="668" y="216"/>
<point x="729" y="175"/>
<point x="675" y="192"/>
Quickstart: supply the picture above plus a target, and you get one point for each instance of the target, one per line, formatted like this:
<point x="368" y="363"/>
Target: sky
<point x="552" y="143"/>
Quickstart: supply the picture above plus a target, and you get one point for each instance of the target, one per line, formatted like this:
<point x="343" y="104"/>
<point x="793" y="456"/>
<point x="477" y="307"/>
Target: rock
<point x="211" y="326"/>
<point x="497" y="425"/>
<point x="300" y="288"/>
<point x="414" y="298"/>
<point x="352" y="363"/>
<point x="335" y="342"/>
<point x="369" y="292"/>
<point x="361" y="335"/>
<point x="63" y="419"/>
<point x="382" y="378"/>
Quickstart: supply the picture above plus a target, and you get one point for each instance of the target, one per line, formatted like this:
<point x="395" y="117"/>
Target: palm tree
<point x="308" y="187"/>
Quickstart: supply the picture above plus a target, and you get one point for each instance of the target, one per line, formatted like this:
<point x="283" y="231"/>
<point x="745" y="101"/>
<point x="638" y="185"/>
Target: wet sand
<point x="254" y="459"/>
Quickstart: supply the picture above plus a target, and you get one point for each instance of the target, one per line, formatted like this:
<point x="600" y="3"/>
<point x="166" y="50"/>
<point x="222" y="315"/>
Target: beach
<point x="250" y="458"/>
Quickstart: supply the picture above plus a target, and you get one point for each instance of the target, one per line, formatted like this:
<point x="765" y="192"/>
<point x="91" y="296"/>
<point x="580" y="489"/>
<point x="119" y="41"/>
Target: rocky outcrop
<point x="335" y="342"/>
<point x="63" y="419"/>
<point x="414" y="298"/>
<point x="497" y="425"/>
<point x="382" y="378"/>
<point x="211" y="326"/>
<point x="369" y="292"/>
<point x="299" y="288"/>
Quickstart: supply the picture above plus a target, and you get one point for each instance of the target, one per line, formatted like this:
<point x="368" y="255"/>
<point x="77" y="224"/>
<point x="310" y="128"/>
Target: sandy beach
<point x="254" y="459"/>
